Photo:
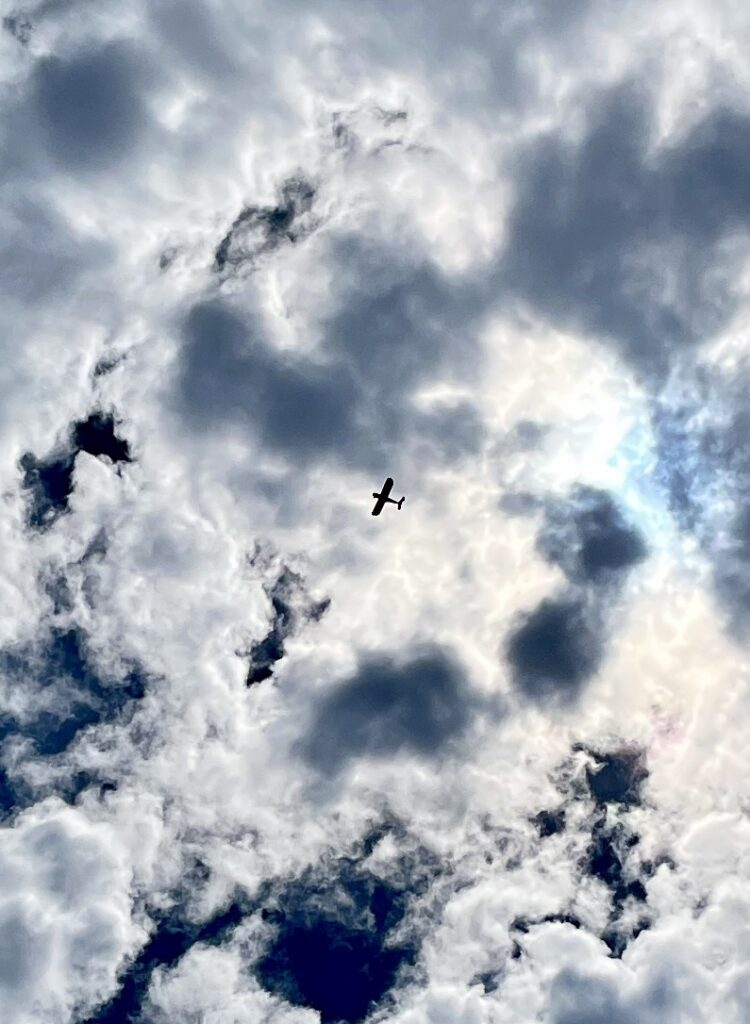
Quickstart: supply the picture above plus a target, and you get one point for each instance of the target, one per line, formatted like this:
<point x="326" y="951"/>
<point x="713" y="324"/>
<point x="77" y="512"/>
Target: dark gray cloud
<point x="580" y="213"/>
<point x="64" y="693"/>
<point x="259" y="230"/>
<point x="331" y="939"/>
<point x="418" y="705"/>
<point x="704" y="178"/>
<point x="229" y="375"/>
<point x="395" y="327"/>
<point x="555" y="649"/>
<point x="339" y="945"/>
<point x="608" y="859"/>
<point x="41" y="257"/>
<point x="598" y="225"/>
<point x="682" y="468"/>
<point x="489" y="980"/>
<point x="48" y="482"/>
<point x="88" y="106"/>
<point x="173" y="935"/>
<point x="549" y="823"/>
<point x="19" y="26"/>
<point x="579" y="999"/>
<point x="398" y="321"/>
<point x="617" y="776"/>
<point x="193" y="36"/>
<point x="703" y="463"/>
<point x="589" y="538"/>
<point x="613" y="780"/>
<point x="398" y="326"/>
<point x="290" y="605"/>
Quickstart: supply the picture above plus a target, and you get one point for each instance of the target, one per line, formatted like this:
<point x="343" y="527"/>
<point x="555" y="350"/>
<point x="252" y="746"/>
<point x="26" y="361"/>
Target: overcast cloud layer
<point x="265" y="759"/>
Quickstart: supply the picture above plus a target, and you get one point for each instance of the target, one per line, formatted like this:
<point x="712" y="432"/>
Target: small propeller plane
<point x="383" y="499"/>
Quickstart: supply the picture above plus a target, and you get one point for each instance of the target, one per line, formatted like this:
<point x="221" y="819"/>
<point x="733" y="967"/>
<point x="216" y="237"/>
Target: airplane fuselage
<point x="382" y="499"/>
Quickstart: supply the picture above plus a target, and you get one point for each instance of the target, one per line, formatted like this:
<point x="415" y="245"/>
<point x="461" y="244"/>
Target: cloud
<point x="597" y="222"/>
<point x="418" y="705"/>
<point x="335" y="945"/>
<point x="352" y="402"/>
<point x="561" y="644"/>
<point x="43" y="256"/>
<point x="290" y="604"/>
<point x="64" y="914"/>
<point x="170" y="940"/>
<point x="62" y="693"/>
<point x="616" y="777"/>
<point x="586" y="1000"/>
<point x="251" y="738"/>
<point x="554" y="650"/>
<point x="589" y="539"/>
<point x="228" y="375"/>
<point x="259" y="230"/>
<point x="701" y="426"/>
<point x="194" y="37"/>
<point x="89" y="108"/>
<point x="49" y="481"/>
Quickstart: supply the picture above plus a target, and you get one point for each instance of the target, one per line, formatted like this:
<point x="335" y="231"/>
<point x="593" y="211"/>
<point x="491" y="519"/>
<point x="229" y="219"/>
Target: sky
<point x="265" y="758"/>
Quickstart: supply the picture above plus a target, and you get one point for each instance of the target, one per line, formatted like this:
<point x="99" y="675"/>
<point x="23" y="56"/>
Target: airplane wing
<point x="385" y="490"/>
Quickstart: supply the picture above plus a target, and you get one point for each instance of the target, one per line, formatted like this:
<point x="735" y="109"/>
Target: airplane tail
<point x="400" y="503"/>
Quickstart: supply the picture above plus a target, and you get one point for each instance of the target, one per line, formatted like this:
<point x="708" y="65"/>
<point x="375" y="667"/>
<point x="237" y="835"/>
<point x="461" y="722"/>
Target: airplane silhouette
<point x="383" y="498"/>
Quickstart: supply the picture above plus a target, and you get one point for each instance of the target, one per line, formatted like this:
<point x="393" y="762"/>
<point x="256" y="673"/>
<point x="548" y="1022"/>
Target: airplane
<point x="383" y="499"/>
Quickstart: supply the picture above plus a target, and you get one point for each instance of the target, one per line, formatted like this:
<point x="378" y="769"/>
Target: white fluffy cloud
<point x="66" y="913"/>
